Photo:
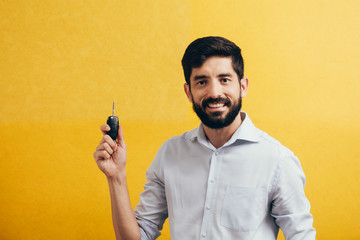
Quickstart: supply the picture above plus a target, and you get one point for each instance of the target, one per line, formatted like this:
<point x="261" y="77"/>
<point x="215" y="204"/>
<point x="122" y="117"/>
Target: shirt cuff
<point x="148" y="230"/>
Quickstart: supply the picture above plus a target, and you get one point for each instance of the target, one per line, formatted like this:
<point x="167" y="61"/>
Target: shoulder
<point x="288" y="165"/>
<point x="172" y="147"/>
<point x="273" y="144"/>
<point x="184" y="138"/>
<point x="177" y="144"/>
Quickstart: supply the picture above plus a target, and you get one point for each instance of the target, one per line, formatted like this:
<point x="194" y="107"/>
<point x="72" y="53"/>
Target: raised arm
<point x="110" y="157"/>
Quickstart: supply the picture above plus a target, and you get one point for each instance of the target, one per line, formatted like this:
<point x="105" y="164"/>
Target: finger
<point x="104" y="129"/>
<point x="105" y="146"/>
<point x="107" y="139"/>
<point x="101" y="155"/>
<point x="102" y="146"/>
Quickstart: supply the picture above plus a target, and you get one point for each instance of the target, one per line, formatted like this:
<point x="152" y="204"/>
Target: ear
<point x="244" y="85"/>
<point x="188" y="92"/>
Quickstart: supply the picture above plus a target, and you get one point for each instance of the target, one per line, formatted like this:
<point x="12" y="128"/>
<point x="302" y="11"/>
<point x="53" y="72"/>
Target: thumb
<point x="120" y="138"/>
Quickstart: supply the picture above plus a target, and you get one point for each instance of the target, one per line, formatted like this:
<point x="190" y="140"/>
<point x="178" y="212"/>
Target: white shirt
<point x="246" y="189"/>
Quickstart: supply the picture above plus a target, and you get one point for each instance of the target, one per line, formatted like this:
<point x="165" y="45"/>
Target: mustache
<point x="207" y="101"/>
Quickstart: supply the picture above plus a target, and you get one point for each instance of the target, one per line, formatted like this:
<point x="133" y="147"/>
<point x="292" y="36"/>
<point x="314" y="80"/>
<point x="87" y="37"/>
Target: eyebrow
<point x="225" y="75"/>
<point x="199" y="77"/>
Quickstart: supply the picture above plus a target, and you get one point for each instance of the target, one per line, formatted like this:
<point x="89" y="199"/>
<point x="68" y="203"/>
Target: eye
<point x="225" y="80"/>
<point x="201" y="82"/>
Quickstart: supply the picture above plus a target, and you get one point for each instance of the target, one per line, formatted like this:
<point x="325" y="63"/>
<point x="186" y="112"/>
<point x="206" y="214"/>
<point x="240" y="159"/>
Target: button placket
<point x="210" y="193"/>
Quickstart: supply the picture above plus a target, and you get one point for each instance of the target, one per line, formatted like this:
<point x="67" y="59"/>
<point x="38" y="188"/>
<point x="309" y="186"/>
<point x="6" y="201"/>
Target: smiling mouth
<point x="216" y="105"/>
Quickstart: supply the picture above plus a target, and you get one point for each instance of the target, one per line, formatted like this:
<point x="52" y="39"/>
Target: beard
<point x="214" y="120"/>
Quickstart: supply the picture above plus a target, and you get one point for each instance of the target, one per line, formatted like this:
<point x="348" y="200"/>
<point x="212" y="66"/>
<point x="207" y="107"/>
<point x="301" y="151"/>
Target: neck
<point x="218" y="137"/>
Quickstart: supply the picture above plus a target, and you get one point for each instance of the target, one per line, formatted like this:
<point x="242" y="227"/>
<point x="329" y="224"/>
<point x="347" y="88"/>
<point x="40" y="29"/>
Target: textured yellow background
<point x="62" y="63"/>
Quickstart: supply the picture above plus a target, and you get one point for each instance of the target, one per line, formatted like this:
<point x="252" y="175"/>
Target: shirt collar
<point x="246" y="132"/>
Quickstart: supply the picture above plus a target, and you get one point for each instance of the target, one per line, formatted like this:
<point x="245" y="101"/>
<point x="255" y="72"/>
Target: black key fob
<point x="113" y="122"/>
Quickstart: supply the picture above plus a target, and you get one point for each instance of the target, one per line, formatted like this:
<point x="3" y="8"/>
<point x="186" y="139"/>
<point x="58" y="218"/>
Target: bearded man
<point x="225" y="179"/>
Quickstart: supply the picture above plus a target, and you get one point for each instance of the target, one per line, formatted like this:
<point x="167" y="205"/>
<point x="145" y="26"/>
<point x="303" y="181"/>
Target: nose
<point x="214" y="89"/>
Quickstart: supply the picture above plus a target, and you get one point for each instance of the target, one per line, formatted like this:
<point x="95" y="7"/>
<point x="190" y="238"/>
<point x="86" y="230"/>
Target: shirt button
<point x="212" y="180"/>
<point x="203" y="234"/>
<point x="207" y="207"/>
<point x="217" y="153"/>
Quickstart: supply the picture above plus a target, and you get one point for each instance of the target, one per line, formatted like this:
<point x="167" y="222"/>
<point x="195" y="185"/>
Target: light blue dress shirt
<point x="246" y="189"/>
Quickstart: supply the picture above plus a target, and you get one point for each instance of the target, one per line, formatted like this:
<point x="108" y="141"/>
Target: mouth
<point x="216" y="105"/>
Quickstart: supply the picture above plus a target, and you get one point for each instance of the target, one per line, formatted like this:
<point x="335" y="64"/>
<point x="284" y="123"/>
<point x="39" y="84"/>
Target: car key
<point x="113" y="122"/>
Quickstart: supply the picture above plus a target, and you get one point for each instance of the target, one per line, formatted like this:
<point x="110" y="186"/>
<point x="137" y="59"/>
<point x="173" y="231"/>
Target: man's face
<point x="215" y="92"/>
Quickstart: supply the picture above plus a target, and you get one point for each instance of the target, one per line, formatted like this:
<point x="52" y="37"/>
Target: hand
<point x="110" y="155"/>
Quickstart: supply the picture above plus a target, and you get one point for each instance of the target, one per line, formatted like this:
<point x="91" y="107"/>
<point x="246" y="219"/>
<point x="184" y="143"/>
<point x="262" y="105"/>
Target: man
<point x="225" y="179"/>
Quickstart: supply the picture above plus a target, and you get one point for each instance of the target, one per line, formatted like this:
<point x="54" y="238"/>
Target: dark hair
<point x="203" y="48"/>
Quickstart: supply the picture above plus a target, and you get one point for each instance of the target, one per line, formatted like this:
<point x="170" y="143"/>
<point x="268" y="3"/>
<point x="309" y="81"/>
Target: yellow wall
<point x="62" y="63"/>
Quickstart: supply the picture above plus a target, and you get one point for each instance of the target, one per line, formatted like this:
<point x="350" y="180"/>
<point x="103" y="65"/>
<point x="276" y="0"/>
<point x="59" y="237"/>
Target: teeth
<point x="216" y="105"/>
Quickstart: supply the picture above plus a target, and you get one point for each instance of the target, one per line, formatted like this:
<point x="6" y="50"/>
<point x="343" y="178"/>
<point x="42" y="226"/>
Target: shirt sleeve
<point x="151" y="212"/>
<point x="148" y="230"/>
<point x="290" y="207"/>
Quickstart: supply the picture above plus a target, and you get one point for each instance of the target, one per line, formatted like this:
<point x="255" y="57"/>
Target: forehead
<point x="213" y="66"/>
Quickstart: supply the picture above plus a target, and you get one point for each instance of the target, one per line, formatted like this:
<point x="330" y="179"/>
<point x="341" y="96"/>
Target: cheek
<point x="235" y="94"/>
<point x="196" y="96"/>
